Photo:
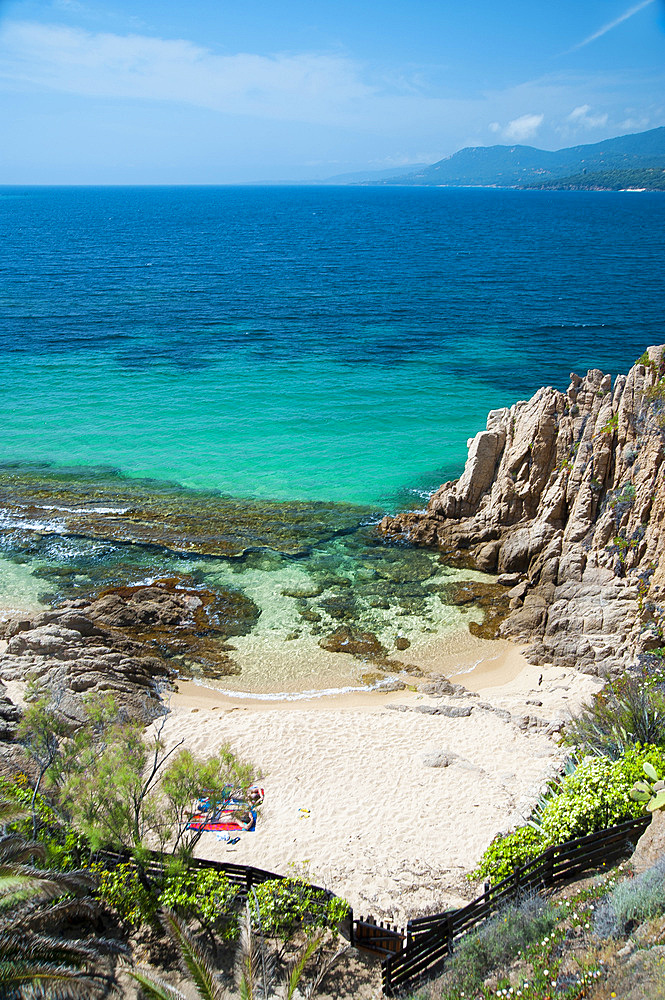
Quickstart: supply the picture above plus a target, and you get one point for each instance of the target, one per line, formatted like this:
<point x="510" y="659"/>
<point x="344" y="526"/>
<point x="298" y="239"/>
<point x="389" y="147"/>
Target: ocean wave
<point x="295" y="695"/>
<point x="47" y="527"/>
<point x="82" y="510"/>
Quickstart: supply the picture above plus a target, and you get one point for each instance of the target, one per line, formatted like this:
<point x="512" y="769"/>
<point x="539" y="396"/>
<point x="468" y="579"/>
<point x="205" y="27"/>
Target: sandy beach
<point x="374" y="795"/>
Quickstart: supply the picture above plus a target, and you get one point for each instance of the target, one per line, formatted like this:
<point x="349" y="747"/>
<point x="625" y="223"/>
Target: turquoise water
<point x="277" y="367"/>
<point x="329" y="344"/>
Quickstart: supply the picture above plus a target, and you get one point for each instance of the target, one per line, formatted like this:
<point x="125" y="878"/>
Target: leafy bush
<point x="204" y="894"/>
<point x="287" y="905"/>
<point x="507" y="853"/>
<point x="597" y="795"/>
<point x="66" y="849"/>
<point x="592" y="797"/>
<point x="627" y="712"/>
<point x="632" y="902"/>
<point x="122" y="889"/>
<point x="495" y="944"/>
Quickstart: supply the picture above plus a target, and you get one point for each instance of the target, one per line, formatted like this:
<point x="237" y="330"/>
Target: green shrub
<point x="205" y="895"/>
<point x="507" y="853"/>
<point x="597" y="795"/>
<point x="592" y="797"/>
<point x="632" y="902"/>
<point x="287" y="905"/>
<point x="124" y="892"/>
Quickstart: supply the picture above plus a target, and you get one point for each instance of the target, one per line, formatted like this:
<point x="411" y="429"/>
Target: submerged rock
<point x="102" y="505"/>
<point x="347" y="640"/>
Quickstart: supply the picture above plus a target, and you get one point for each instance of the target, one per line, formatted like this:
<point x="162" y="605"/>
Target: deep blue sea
<point x="319" y="344"/>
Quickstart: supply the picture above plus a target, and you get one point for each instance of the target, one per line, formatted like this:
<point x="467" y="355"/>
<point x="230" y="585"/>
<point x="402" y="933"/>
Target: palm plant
<point x="624" y="713"/>
<point x="34" y="962"/>
<point x="256" y="977"/>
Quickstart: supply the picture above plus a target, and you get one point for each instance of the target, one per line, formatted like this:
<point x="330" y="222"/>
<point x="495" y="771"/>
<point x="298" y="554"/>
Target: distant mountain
<point x="521" y="166"/>
<point x="368" y="176"/>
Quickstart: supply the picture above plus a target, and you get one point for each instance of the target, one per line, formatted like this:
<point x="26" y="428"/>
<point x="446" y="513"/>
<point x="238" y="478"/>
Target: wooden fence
<point x="430" y="940"/>
<point x="154" y="864"/>
<point x="380" y="939"/>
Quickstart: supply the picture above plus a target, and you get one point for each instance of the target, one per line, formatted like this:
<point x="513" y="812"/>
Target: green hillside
<point x="521" y="166"/>
<point x="642" y="178"/>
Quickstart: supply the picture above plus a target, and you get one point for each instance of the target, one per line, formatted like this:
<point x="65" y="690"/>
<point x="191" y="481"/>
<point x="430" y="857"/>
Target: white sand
<point x="389" y="833"/>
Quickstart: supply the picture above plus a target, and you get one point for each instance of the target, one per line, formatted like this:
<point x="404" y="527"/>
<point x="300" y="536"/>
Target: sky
<point x="214" y="92"/>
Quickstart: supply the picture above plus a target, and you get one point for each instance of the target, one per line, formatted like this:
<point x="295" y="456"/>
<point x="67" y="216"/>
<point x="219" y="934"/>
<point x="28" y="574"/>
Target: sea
<point x="229" y="387"/>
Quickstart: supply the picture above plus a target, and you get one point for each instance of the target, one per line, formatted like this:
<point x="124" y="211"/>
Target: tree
<point x="122" y="789"/>
<point x="42" y="732"/>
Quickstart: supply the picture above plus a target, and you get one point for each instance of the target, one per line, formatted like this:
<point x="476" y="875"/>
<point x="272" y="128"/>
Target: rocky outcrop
<point x="65" y="653"/>
<point x="129" y="642"/>
<point x="564" y="496"/>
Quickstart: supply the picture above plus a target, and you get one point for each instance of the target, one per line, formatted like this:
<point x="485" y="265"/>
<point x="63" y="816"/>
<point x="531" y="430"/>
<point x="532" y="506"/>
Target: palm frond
<point x="323" y="970"/>
<point x="297" y="967"/>
<point x="156" y="989"/>
<point x="39" y="916"/>
<point x="248" y="959"/>
<point x="194" y="959"/>
<point x="19" y="883"/>
<point x="15" y="848"/>
<point x="12" y="812"/>
<point x="17" y="943"/>
<point x="27" y="980"/>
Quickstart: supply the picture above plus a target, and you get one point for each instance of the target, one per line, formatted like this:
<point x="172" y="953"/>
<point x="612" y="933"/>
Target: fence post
<point x="450" y="932"/>
<point x="486" y="894"/>
<point x="387" y="978"/>
<point x="351" y="929"/>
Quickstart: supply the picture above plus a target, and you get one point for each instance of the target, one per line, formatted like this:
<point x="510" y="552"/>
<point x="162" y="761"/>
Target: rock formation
<point x="563" y="495"/>
<point x="67" y="654"/>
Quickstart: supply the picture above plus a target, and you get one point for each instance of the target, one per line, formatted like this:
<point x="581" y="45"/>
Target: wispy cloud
<point x="612" y="24"/>
<point x="142" y="67"/>
<point x="580" y="116"/>
<point x="519" y="129"/>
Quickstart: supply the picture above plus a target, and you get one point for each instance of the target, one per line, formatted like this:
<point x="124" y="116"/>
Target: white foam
<point x="294" y="695"/>
<point x="483" y="659"/>
<point x="83" y="510"/>
<point x="48" y="527"/>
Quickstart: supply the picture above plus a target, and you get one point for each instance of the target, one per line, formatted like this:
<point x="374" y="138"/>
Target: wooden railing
<point x="430" y="940"/>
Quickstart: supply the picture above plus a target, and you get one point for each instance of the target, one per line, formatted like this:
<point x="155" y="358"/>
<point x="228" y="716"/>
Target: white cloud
<point x="580" y="117"/>
<point x="612" y="24"/>
<point x="635" y="124"/>
<point x="524" y="127"/>
<point x="147" y="68"/>
<point x="494" y="127"/>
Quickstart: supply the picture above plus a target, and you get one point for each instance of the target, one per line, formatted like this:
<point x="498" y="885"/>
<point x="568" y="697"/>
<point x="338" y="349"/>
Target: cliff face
<point x="564" y="495"/>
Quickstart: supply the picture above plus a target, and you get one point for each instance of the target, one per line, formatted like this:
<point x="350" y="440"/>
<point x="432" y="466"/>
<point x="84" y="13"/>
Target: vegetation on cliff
<point x="619" y="179"/>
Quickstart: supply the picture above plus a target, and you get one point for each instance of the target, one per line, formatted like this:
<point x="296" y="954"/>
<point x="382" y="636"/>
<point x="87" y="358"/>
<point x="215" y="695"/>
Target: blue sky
<point x="119" y="92"/>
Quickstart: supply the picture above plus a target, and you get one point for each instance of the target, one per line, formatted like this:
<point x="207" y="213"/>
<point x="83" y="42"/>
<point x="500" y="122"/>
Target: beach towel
<point x="220" y="821"/>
